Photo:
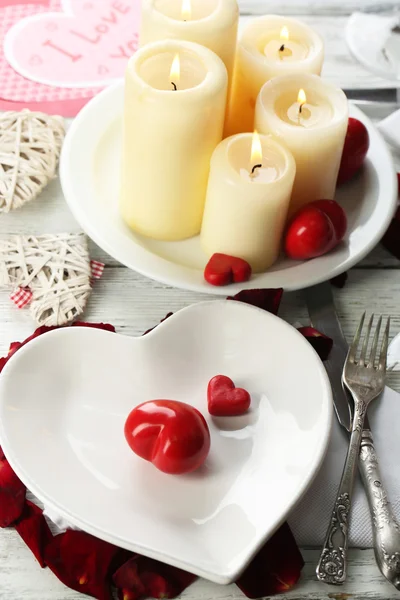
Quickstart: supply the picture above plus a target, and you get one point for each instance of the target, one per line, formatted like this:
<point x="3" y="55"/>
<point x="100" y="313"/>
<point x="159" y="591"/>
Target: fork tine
<point x="361" y="362"/>
<point x="384" y="350"/>
<point x="375" y="344"/>
<point x="356" y="340"/>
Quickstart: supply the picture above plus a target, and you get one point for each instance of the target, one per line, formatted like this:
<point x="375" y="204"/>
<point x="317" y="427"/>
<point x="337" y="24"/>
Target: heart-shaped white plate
<point x="90" y="178"/>
<point x="64" y="398"/>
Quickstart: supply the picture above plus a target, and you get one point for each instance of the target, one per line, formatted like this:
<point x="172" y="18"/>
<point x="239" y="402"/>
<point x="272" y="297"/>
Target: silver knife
<point x="386" y="531"/>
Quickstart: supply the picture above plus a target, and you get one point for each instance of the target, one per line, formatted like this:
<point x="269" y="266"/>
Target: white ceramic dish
<point x="89" y="169"/>
<point x="64" y="398"/>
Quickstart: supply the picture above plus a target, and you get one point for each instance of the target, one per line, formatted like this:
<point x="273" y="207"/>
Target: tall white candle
<point x="211" y="23"/>
<point x="310" y="116"/>
<point x="248" y="196"/>
<point x="175" y="97"/>
<point x="269" y="47"/>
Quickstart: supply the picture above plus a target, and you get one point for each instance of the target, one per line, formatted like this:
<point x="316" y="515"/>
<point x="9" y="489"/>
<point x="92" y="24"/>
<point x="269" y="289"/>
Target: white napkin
<point x="390" y="128"/>
<point x="309" y="520"/>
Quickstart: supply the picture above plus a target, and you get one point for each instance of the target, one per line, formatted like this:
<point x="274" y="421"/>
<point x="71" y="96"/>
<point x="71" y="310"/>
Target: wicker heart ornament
<point x="54" y="268"/>
<point x="30" y="145"/>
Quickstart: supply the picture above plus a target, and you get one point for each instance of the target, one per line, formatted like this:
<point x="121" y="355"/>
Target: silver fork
<point x="366" y="380"/>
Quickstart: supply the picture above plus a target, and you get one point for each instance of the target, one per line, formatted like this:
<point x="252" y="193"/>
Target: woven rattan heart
<point x="30" y="144"/>
<point x="56" y="268"/>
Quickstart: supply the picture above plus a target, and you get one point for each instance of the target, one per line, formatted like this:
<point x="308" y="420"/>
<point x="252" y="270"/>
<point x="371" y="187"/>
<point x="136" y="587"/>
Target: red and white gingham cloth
<point x="97" y="269"/>
<point x="21" y="297"/>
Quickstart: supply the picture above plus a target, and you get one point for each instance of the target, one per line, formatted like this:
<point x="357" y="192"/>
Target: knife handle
<point x="386" y="530"/>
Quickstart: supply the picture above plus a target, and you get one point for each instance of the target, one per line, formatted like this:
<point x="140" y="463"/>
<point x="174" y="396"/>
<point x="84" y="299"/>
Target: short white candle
<point x="175" y="98"/>
<point x="310" y="116"/>
<point x="270" y="46"/>
<point x="211" y="23"/>
<point x="248" y="196"/>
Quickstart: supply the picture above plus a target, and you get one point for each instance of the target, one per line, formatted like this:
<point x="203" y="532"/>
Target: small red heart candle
<point x="226" y="400"/>
<point x="222" y="269"/>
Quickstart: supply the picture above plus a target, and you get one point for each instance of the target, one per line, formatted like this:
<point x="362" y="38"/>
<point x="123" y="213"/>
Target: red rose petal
<point x="340" y="281"/>
<point x="82" y="562"/>
<point x="167" y="316"/>
<point x="269" y="300"/>
<point x="33" y="529"/>
<point x="104" y="326"/>
<point x="14" y="346"/>
<point x="12" y="495"/>
<point x="142" y="576"/>
<point x="321" y="343"/>
<point x="2" y="455"/>
<point x="391" y="239"/>
<point x="275" y="569"/>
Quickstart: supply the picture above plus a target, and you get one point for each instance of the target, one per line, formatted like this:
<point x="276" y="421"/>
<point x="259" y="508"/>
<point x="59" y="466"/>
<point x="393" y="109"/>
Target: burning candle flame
<point x="256" y="150"/>
<point x="284" y="34"/>
<point x="186" y="10"/>
<point x="175" y="74"/>
<point x="301" y="98"/>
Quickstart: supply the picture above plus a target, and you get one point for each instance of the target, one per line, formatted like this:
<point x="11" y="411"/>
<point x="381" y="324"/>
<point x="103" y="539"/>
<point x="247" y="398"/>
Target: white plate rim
<point x="220" y="578"/>
<point x="158" y="268"/>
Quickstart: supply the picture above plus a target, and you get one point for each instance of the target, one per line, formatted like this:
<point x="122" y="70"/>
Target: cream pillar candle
<point x="211" y="23"/>
<point x="248" y="196"/>
<point x="270" y="46"/>
<point x="310" y="116"/>
<point x="175" y="97"/>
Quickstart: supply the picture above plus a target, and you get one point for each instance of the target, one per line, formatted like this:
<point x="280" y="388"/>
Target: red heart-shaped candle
<point x="174" y="436"/>
<point x="222" y="269"/>
<point x="226" y="400"/>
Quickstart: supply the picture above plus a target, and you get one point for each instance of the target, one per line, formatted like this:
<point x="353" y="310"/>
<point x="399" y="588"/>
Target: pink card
<point x="59" y="53"/>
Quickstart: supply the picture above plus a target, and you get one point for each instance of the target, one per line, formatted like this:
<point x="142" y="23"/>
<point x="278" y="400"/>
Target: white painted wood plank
<point x="315" y="7"/>
<point x="21" y="578"/>
<point x="133" y="303"/>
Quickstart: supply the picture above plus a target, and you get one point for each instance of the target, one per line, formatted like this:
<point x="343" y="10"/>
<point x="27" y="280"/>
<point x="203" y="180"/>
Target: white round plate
<point x="372" y="41"/>
<point x="90" y="167"/>
<point x="64" y="398"/>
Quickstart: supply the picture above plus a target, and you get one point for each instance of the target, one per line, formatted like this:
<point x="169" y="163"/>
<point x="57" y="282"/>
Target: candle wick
<point x="174" y="84"/>
<point x="254" y="168"/>
<point x="300" y="108"/>
<point x="281" y="49"/>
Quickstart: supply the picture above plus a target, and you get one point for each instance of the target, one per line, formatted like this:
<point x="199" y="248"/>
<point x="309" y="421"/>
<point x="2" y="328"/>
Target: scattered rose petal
<point x="145" y="577"/>
<point x="82" y="562"/>
<point x="321" y="343"/>
<point x="269" y="300"/>
<point x="33" y="529"/>
<point x="14" y="346"/>
<point x="275" y="569"/>
<point x="391" y="239"/>
<point x="167" y="316"/>
<point x="340" y="281"/>
<point x="12" y="495"/>
<point x="104" y="326"/>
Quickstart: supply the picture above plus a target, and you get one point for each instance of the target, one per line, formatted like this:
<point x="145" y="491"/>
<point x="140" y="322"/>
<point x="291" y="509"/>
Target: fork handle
<point x="386" y="530"/>
<point x="332" y="564"/>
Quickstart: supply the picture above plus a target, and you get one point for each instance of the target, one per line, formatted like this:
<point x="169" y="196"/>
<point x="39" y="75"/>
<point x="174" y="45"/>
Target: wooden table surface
<point x="133" y="303"/>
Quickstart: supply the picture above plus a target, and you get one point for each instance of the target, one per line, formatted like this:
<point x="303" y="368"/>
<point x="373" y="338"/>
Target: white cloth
<point x="309" y="520"/>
